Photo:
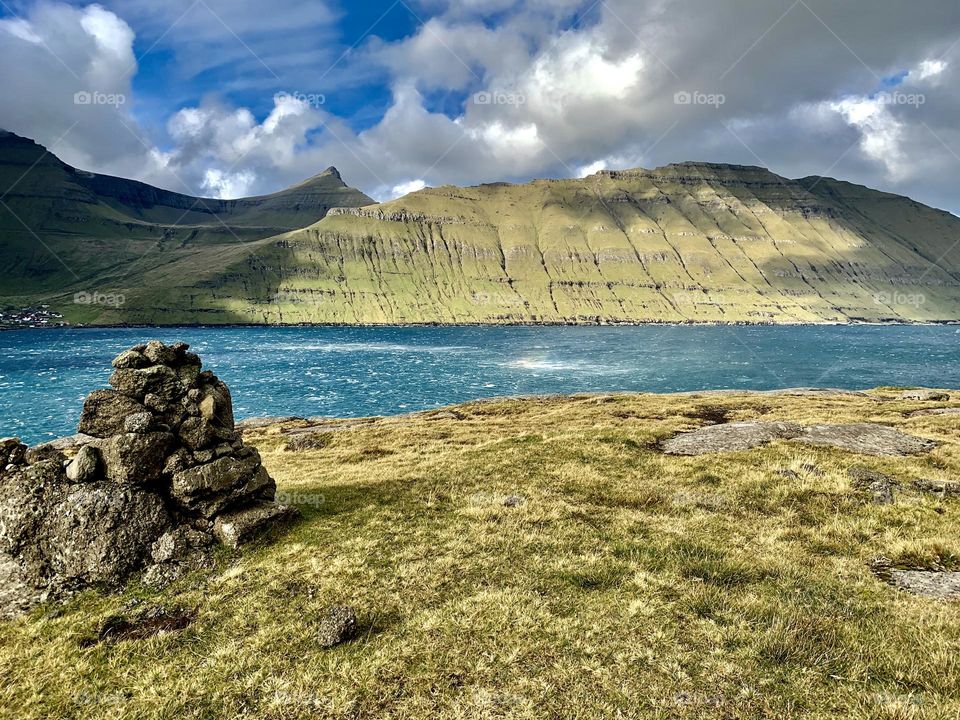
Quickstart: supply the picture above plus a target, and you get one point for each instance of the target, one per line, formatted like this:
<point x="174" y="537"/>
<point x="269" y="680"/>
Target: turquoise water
<point x="343" y="372"/>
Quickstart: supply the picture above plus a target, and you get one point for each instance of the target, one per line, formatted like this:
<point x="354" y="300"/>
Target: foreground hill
<point x="64" y="228"/>
<point x="542" y="558"/>
<point x="692" y="242"/>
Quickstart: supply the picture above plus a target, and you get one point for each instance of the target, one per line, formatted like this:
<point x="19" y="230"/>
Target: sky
<point x="229" y="98"/>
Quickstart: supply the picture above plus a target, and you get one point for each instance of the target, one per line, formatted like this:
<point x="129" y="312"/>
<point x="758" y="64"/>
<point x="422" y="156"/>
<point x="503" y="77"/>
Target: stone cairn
<point x="159" y="476"/>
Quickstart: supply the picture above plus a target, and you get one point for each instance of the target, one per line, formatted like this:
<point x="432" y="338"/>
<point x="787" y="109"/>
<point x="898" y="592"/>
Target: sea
<point x="354" y="372"/>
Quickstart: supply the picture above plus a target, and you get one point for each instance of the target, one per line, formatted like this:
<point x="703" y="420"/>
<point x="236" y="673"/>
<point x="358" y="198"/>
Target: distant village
<point x="38" y="317"/>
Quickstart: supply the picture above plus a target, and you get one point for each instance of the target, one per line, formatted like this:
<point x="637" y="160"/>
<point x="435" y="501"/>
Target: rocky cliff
<point x="693" y="242"/>
<point x="684" y="243"/>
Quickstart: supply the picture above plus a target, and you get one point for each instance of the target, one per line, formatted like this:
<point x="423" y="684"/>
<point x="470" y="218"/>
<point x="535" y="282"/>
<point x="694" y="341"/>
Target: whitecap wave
<point x="361" y="347"/>
<point x="541" y="364"/>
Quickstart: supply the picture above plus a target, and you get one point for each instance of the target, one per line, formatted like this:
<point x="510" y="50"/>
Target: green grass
<point x="624" y="583"/>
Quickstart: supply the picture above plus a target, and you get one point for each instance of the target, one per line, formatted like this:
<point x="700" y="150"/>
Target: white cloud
<point x="881" y="133"/>
<point x="929" y="69"/>
<point x="227" y="185"/>
<point x="592" y="169"/>
<point x="576" y="68"/>
<point x="21" y="29"/>
<point x="406" y="188"/>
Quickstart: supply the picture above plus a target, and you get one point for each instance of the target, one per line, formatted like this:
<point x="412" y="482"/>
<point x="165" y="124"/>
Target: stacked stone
<point x="162" y="473"/>
<point x="168" y="425"/>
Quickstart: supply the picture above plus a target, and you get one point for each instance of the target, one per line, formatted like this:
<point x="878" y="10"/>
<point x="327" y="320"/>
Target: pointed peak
<point x="332" y="171"/>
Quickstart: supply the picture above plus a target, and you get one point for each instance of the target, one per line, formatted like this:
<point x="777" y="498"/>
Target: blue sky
<point x="235" y="97"/>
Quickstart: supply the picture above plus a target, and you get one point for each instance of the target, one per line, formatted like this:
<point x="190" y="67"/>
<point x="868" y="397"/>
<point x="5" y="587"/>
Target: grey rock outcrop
<point x="863" y="438"/>
<point x="925" y="395"/>
<point x="866" y="439"/>
<point x="730" y="437"/>
<point x="926" y="583"/>
<point x="159" y="475"/>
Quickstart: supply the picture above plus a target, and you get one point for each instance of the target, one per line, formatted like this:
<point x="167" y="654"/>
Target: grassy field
<point x="541" y="559"/>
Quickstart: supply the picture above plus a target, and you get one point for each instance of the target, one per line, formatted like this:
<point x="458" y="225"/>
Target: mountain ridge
<point x="62" y="226"/>
<point x="691" y="242"/>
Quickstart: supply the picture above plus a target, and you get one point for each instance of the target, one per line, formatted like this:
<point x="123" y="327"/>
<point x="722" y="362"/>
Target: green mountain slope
<point x="693" y="242"/>
<point x="62" y="229"/>
<point x="684" y="243"/>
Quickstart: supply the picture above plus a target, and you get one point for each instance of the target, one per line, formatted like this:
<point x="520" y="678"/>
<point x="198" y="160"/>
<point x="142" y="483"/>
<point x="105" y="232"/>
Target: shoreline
<point x="385" y="326"/>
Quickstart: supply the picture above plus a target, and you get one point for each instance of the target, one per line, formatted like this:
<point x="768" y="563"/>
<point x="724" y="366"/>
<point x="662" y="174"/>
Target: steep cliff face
<point x="685" y="243"/>
<point x="693" y="242"/>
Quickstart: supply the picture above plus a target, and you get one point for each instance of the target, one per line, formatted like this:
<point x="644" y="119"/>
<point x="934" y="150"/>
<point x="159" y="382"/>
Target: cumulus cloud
<point x="505" y="90"/>
<point x="407" y="187"/>
<point x="66" y="78"/>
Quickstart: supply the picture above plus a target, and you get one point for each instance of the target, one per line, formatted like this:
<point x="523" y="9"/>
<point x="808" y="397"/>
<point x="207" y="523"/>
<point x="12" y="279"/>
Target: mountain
<point x="691" y="242"/>
<point x="66" y="229"/>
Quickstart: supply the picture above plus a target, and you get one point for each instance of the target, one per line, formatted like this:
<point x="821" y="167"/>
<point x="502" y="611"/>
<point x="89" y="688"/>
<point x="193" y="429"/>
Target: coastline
<point x="646" y="323"/>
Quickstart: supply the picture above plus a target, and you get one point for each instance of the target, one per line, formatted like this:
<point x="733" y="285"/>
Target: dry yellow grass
<point x="618" y="582"/>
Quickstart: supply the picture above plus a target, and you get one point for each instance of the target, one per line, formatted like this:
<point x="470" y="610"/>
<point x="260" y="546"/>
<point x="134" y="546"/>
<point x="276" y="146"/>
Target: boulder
<point x="935" y="411"/>
<point x="139" y="423"/>
<point x="158" y="380"/>
<point x="159" y="354"/>
<point x="130" y="360"/>
<point x="864" y="438"/>
<point x="101" y="532"/>
<point x="216" y="405"/>
<point x="198" y="433"/>
<point x="26" y="498"/>
<point x="179" y="544"/>
<point x="338" y="624"/>
<point x="179" y="460"/>
<point x="238" y="527"/>
<point x="943" y="488"/>
<point x="209" y="489"/>
<point x="135" y="459"/>
<point x="105" y="411"/>
<point x="84" y="466"/>
<point x="878" y="485"/>
<point x="928" y="583"/>
<point x="12" y="452"/>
